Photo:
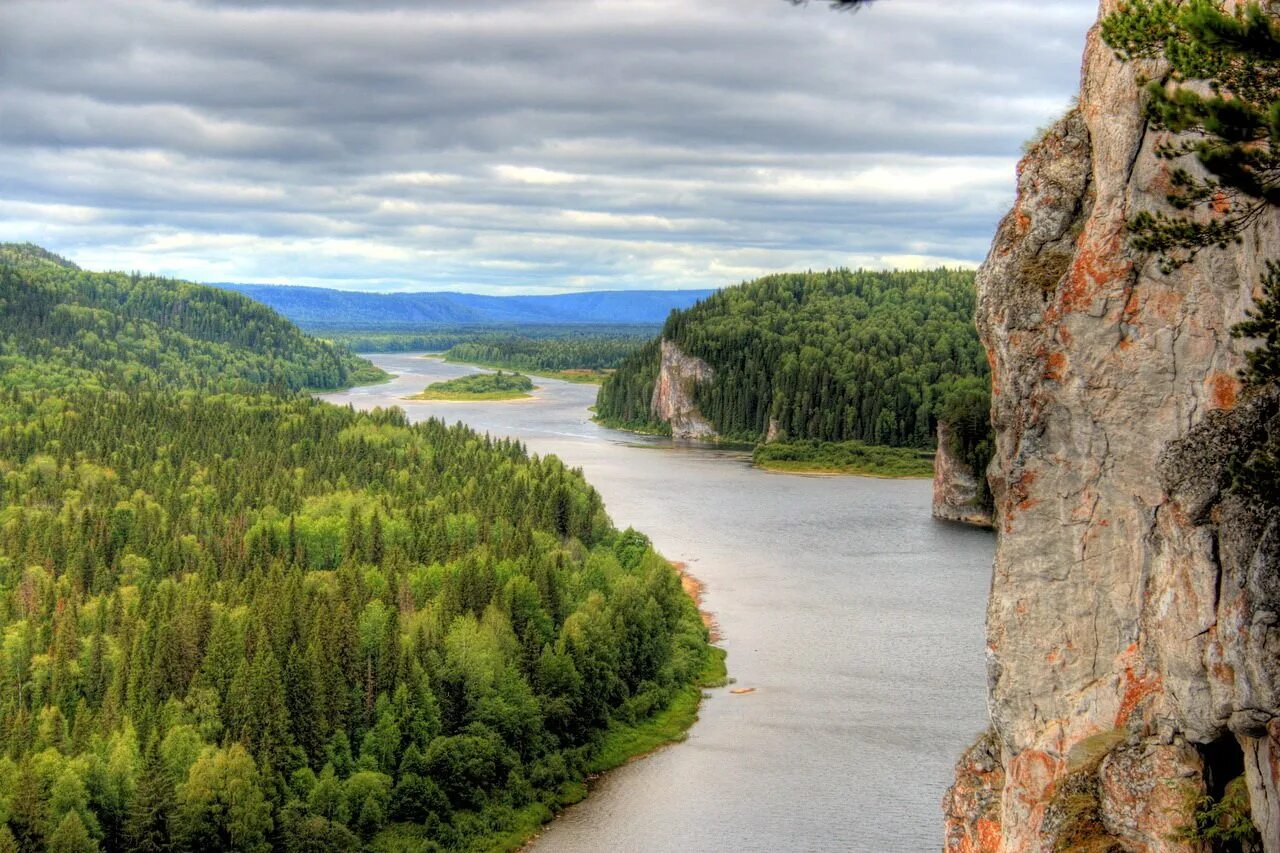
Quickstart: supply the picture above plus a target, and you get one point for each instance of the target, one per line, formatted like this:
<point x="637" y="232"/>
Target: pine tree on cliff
<point x="1221" y="96"/>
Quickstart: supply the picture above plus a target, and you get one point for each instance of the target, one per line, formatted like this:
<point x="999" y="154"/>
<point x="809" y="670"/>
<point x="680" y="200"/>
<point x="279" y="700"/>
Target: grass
<point x="638" y="429"/>
<point x="845" y="457"/>
<point x="480" y="386"/>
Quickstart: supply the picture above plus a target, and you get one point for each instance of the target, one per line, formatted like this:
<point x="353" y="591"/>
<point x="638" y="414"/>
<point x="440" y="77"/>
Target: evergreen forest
<point x="836" y="356"/>
<point x="234" y="617"/>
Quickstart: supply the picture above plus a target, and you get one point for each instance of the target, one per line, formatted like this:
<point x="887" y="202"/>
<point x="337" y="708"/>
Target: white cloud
<point x="520" y="145"/>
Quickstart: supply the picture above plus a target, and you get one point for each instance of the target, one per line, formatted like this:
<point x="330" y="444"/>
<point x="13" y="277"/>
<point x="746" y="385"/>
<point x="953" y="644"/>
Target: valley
<point x="854" y="616"/>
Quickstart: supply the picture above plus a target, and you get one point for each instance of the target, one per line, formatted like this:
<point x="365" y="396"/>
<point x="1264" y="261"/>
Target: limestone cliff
<point x="673" y="403"/>
<point x="957" y="493"/>
<point x="1132" y="630"/>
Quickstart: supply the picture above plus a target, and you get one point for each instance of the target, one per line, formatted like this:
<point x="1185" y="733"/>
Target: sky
<point x="521" y="146"/>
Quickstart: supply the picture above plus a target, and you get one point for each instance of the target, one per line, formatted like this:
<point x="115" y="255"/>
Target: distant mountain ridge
<point x="318" y="307"/>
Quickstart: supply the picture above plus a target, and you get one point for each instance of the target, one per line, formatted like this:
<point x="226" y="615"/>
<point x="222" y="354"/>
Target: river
<point x="855" y="616"/>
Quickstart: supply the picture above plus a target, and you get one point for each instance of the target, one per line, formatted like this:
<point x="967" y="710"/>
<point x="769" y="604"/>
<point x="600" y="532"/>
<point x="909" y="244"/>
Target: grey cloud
<point x="519" y="143"/>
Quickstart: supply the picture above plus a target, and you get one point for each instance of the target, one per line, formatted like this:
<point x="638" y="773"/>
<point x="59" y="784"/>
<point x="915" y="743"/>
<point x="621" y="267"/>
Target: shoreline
<point x="819" y="471"/>
<point x="696" y="589"/>
<point x="639" y="740"/>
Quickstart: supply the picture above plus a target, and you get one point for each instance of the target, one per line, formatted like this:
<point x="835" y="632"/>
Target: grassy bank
<point x="622" y="743"/>
<point x="845" y="457"/>
<point x="639" y="429"/>
<point x="481" y="386"/>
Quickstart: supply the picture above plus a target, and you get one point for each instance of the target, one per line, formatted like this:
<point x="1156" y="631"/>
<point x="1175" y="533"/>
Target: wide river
<point x="855" y="616"/>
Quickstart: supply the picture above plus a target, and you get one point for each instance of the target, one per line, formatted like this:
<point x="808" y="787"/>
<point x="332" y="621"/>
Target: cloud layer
<point x="520" y="145"/>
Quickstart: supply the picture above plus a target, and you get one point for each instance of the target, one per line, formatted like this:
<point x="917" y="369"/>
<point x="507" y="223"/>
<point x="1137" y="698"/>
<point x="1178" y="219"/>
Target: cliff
<point x="1132" y="629"/>
<point x="678" y="375"/>
<point x="957" y="493"/>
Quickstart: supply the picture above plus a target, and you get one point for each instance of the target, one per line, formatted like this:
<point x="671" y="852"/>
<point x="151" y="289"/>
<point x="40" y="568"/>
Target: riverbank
<point x="624" y="743"/>
<point x="843" y="458"/>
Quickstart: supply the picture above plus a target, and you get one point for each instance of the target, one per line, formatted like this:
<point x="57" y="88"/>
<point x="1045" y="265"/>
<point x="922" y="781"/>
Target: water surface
<point x="856" y="616"/>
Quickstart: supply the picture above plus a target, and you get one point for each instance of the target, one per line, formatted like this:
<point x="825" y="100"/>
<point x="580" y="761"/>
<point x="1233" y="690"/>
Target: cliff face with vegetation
<point x="957" y="488"/>
<point x="673" y="393"/>
<point x="1132" y="626"/>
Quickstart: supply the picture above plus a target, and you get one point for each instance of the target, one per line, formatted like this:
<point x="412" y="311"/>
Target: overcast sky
<point x="520" y="145"/>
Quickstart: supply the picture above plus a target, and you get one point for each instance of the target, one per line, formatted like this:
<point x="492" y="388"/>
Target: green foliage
<point x="520" y="352"/>
<point x="479" y="386"/>
<point x="624" y="398"/>
<point x="844" y="457"/>
<point x="1225" y="823"/>
<point x="1222" y="97"/>
<point x="832" y="356"/>
<point x="61" y="327"/>
<point x="1264" y="322"/>
<point x="221" y="805"/>
<point x="966" y="410"/>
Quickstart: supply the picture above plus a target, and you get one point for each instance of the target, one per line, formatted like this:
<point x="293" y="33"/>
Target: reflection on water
<point x="855" y="615"/>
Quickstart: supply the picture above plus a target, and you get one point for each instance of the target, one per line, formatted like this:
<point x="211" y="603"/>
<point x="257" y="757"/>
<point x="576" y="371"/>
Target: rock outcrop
<point x="1132" y="631"/>
<point x="957" y="491"/>
<point x="673" y="401"/>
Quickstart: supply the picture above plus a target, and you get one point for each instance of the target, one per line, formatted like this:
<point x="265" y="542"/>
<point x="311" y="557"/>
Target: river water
<point x="855" y="616"/>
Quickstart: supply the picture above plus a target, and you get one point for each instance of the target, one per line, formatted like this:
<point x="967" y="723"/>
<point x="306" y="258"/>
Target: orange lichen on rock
<point x="1055" y="366"/>
<point x="1022" y="222"/>
<point x="1096" y="264"/>
<point x="1224" y="389"/>
<point x="1032" y="775"/>
<point x="972" y="805"/>
<point x="1135" y="686"/>
<point x="1018" y="496"/>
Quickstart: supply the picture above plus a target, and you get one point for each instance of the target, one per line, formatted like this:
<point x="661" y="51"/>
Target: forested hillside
<point x="61" y="327"/>
<point x="830" y="356"/>
<point x="256" y="621"/>
<point x="556" y="347"/>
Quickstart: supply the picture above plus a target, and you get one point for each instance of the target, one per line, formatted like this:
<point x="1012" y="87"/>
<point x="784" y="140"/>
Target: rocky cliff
<point x="1132" y="628"/>
<point x="678" y="375"/>
<point x="957" y="493"/>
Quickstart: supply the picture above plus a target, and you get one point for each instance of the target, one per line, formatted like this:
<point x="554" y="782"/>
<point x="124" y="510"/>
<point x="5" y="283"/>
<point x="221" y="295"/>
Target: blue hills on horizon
<point x="318" y="307"/>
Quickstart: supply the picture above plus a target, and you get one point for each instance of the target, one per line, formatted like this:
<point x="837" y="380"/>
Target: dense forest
<point x="533" y="348"/>
<point x="548" y="354"/>
<point x="253" y="620"/>
<point x="63" y="327"/>
<point x="834" y="356"/>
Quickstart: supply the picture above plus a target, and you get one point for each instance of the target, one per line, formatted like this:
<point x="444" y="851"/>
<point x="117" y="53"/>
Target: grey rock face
<point x="956" y="487"/>
<point x="673" y="401"/>
<point x="1130" y="594"/>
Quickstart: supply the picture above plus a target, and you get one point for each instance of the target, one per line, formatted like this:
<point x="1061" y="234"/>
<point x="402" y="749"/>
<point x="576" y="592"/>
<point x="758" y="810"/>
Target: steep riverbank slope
<point x="1132" y="628"/>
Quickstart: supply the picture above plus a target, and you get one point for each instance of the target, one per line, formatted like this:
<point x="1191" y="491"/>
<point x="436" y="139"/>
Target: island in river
<point x="479" y="387"/>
